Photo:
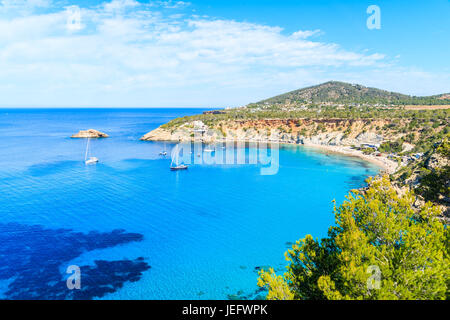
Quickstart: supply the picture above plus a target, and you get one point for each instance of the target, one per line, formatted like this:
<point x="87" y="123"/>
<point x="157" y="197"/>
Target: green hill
<point x="345" y="93"/>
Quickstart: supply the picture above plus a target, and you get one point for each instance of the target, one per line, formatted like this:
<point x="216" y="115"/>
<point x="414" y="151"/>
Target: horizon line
<point x="82" y="107"/>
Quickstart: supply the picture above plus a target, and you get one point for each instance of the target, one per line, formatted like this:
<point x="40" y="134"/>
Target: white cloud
<point x="119" y="5"/>
<point x="305" y="34"/>
<point x="170" y="4"/>
<point x="130" y="54"/>
<point x="22" y="7"/>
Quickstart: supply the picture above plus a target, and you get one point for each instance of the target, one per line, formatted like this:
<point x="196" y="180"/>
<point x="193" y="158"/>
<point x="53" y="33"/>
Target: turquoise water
<point x="138" y="230"/>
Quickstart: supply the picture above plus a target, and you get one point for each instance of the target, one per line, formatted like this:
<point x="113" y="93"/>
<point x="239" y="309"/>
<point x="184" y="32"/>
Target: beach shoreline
<point x="387" y="165"/>
<point x="330" y="142"/>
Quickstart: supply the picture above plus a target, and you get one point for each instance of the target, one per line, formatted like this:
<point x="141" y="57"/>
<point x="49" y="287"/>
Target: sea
<point x="130" y="228"/>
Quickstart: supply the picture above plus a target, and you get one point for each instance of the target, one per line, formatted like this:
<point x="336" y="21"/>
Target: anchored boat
<point x="91" y="160"/>
<point x="175" y="164"/>
<point x="163" y="152"/>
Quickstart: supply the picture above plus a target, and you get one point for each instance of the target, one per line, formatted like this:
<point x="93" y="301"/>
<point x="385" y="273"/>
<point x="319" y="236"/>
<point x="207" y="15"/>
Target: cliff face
<point x="338" y="132"/>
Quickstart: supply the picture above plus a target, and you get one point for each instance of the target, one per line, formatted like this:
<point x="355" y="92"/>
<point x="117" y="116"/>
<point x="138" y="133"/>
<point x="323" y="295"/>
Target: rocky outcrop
<point x="369" y="137"/>
<point x="90" y="133"/>
<point x="436" y="161"/>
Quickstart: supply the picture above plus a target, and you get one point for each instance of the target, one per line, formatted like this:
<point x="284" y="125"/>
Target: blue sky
<point x="198" y="53"/>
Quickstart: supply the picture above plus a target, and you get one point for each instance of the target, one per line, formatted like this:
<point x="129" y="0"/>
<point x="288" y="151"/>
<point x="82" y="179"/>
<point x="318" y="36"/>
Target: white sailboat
<point x="91" y="160"/>
<point x="175" y="164"/>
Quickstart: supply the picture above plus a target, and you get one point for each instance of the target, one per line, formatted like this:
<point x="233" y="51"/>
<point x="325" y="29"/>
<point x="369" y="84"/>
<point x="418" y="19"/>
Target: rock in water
<point x="91" y="133"/>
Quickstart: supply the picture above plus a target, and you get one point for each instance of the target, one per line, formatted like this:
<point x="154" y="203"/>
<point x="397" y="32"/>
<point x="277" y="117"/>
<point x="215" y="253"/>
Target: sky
<point x="227" y="53"/>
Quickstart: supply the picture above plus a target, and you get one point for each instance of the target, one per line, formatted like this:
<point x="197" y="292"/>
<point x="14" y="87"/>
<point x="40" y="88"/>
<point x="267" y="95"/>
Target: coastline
<point x="387" y="166"/>
<point x="331" y="141"/>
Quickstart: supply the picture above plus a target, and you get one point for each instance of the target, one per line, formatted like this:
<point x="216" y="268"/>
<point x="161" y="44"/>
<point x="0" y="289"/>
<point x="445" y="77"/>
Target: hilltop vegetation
<point x="337" y="100"/>
<point x="315" y="112"/>
<point x="346" y="93"/>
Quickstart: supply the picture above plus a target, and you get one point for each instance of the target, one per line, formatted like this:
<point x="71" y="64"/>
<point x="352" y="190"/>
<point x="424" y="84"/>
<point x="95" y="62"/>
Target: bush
<point x="368" y="150"/>
<point x="391" y="147"/>
<point x="435" y="184"/>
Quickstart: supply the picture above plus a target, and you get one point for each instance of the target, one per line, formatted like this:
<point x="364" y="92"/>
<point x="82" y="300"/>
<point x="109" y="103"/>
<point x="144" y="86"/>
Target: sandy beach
<point x="389" y="166"/>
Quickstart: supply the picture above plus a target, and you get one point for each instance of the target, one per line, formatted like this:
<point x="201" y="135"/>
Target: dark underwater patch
<point x="355" y="182"/>
<point x="46" y="169"/>
<point x="258" y="294"/>
<point x="33" y="258"/>
<point x="289" y="244"/>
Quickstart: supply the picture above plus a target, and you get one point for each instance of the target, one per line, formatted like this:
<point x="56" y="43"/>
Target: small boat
<point x="209" y="150"/>
<point x="164" y="152"/>
<point x="90" y="160"/>
<point x="179" y="167"/>
<point x="175" y="165"/>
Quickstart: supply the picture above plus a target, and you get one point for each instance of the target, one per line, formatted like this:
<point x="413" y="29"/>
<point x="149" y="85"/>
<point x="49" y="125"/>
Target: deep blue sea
<point x="138" y="230"/>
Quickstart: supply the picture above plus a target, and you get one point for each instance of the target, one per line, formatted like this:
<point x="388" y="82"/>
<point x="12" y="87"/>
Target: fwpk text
<point x="239" y="309"/>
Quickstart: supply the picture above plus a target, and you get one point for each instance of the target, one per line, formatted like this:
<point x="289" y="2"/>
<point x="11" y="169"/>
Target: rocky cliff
<point x="334" y="132"/>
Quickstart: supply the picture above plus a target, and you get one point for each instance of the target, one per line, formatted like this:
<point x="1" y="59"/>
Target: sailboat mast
<point x="174" y="156"/>
<point x="87" y="149"/>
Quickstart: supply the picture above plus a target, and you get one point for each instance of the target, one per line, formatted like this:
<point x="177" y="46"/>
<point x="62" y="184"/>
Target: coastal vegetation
<point x="417" y="118"/>
<point x="382" y="247"/>
<point x="430" y="176"/>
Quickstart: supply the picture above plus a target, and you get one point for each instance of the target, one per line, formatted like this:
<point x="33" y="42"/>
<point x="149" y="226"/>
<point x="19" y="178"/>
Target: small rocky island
<point x="90" y="133"/>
